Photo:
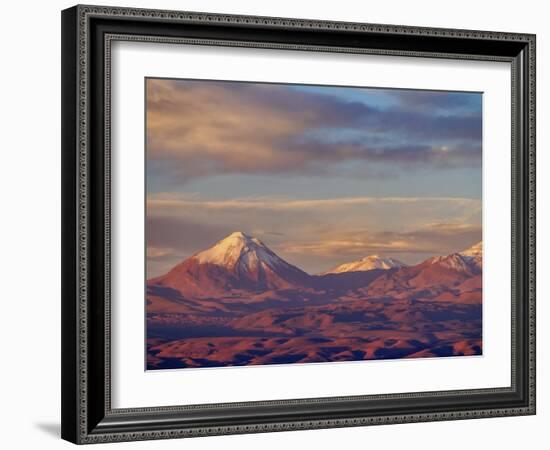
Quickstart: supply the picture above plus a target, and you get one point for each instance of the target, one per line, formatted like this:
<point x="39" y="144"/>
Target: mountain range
<point x="370" y="262"/>
<point x="239" y="288"/>
<point x="241" y="263"/>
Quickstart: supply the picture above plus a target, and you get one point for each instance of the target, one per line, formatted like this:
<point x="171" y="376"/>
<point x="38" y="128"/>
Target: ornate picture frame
<point x="88" y="33"/>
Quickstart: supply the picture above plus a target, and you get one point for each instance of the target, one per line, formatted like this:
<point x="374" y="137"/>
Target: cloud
<point x="431" y="239"/>
<point x="158" y="252"/>
<point x="183" y="201"/>
<point x="200" y="128"/>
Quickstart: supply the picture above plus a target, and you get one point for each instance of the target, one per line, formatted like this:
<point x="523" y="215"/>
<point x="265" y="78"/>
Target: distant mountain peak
<point x="371" y="257"/>
<point x="239" y="261"/>
<point x="240" y="236"/>
<point x="474" y="250"/>
<point x="237" y="235"/>
<point x="370" y="262"/>
<point x="454" y="261"/>
<point x="465" y="260"/>
<point x="437" y="272"/>
<point x="237" y="248"/>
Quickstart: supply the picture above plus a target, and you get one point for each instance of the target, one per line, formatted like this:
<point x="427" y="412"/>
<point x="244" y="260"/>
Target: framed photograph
<point x="278" y="224"/>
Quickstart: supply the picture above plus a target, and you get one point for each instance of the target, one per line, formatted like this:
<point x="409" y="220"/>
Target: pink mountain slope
<point x="438" y="272"/>
<point x="238" y="262"/>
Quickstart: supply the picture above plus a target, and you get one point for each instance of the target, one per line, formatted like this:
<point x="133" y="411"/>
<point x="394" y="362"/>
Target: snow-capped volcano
<point x="368" y="263"/>
<point x="238" y="250"/>
<point x="237" y="262"/>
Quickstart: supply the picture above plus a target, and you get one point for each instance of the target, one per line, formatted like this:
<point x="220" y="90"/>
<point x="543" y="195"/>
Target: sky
<point x="321" y="174"/>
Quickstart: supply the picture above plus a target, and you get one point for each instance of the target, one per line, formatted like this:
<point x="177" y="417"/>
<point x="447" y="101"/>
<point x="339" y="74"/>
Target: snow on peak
<point x="474" y="250"/>
<point x="474" y="255"/>
<point x="454" y="261"/>
<point x="238" y="249"/>
<point x="466" y="260"/>
<point x="370" y="262"/>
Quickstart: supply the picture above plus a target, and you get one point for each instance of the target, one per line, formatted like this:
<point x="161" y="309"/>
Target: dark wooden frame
<point x="87" y="32"/>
